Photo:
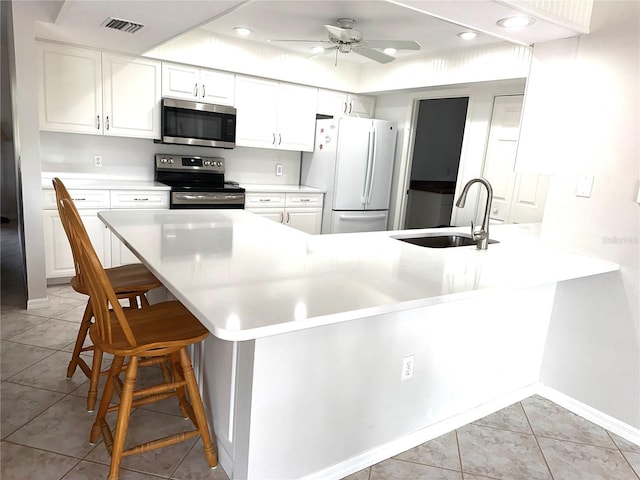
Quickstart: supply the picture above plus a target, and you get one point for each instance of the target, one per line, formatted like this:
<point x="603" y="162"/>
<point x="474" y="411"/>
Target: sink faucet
<point x="482" y="235"/>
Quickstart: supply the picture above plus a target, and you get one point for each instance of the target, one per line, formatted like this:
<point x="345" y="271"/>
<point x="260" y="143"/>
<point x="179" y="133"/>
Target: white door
<point x="70" y="84"/>
<point x="355" y="143"/>
<point x="132" y="92"/>
<point x="296" y="117"/>
<point x="517" y="198"/>
<point x="180" y="81"/>
<point x="382" y="165"/>
<point x="350" y="222"/>
<point x="256" y="105"/>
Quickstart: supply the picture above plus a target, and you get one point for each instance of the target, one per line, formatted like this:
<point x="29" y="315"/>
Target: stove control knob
<point x="207" y="163"/>
<point x="219" y="164"/>
<point x="170" y="160"/>
<point x="163" y="160"/>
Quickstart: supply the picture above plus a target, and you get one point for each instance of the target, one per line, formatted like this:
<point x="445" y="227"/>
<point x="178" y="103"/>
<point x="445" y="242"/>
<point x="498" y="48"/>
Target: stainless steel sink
<point x="441" y="241"/>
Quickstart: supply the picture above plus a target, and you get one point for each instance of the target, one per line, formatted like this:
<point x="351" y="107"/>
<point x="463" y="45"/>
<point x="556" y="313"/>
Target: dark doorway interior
<point x="436" y="160"/>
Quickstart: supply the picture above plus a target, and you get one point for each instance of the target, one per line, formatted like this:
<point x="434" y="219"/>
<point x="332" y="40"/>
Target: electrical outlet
<point x="585" y="184"/>
<point x="278" y="169"/>
<point x="97" y="161"/>
<point x="407" y="367"/>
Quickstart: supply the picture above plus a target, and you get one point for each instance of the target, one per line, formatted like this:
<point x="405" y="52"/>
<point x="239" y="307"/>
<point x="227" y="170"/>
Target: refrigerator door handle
<point x="373" y="166"/>
<point x="367" y="176"/>
<point x="346" y="216"/>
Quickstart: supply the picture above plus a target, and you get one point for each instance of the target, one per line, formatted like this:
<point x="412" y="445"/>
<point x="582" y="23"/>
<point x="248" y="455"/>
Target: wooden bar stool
<point x="164" y="329"/>
<point x="129" y="281"/>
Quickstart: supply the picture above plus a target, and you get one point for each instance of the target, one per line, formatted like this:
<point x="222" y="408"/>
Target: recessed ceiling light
<point x="389" y="51"/>
<point x="519" y="21"/>
<point x="467" y="35"/>
<point x="243" y="31"/>
<point x="317" y="49"/>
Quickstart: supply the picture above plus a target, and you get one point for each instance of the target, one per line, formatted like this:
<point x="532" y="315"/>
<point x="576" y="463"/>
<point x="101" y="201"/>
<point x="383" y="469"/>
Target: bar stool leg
<point x="198" y="409"/>
<point x="85" y="323"/>
<point x="124" y="411"/>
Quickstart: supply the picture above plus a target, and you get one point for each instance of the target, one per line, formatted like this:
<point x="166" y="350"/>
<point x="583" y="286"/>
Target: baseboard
<point x="607" y="422"/>
<point x="37" y="303"/>
<point x="421" y="436"/>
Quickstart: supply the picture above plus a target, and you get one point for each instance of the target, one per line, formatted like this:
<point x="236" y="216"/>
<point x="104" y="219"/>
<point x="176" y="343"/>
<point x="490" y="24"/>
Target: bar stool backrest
<point x="101" y="293"/>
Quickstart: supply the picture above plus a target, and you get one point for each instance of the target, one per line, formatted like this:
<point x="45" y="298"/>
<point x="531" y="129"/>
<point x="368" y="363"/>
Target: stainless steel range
<point x="197" y="182"/>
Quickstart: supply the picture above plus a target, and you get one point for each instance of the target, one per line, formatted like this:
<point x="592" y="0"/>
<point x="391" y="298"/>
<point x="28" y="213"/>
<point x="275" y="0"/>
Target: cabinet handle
<point x="264" y="199"/>
<point x="79" y="199"/>
<point x="203" y="90"/>
<point x="98" y="123"/>
<point x="281" y="217"/>
<point x="344" y="110"/>
<point x="140" y="199"/>
<point x="287" y="217"/>
<point x="350" y="107"/>
<point x="279" y="139"/>
<point x="195" y="90"/>
<point x="274" y="139"/>
<point x="106" y="122"/>
<point x="305" y="199"/>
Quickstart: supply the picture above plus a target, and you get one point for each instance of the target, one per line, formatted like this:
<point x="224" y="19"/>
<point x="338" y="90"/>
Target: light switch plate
<point x="278" y="169"/>
<point x="585" y="184"/>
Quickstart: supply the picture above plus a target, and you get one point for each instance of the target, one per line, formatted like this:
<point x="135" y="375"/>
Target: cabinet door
<point x="361" y="106"/>
<point x="216" y="87"/>
<point x="120" y="254"/>
<point x="256" y="105"/>
<point x="332" y="103"/>
<point x="275" y="214"/>
<point x="70" y="89"/>
<point x="132" y="95"/>
<point x="305" y="219"/>
<point x="296" y="117"/>
<point x="58" y="257"/>
<point x="180" y="81"/>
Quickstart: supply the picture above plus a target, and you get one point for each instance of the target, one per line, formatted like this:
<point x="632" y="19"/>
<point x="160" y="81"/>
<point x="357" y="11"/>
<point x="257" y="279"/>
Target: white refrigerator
<point x="353" y="161"/>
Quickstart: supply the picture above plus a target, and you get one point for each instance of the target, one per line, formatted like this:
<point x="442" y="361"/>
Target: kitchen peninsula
<point x="303" y="373"/>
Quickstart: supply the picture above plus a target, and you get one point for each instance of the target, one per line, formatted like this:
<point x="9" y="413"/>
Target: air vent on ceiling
<point x="122" y="25"/>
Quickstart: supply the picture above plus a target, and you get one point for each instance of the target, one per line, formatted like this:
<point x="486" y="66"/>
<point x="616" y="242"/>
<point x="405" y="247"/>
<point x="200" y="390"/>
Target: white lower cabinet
<point x="302" y="211"/>
<point x="110" y="250"/>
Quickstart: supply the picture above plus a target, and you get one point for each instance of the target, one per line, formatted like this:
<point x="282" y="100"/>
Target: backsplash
<point x="132" y="158"/>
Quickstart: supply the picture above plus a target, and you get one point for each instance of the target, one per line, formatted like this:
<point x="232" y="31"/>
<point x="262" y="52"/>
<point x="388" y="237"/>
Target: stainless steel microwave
<point x="193" y="123"/>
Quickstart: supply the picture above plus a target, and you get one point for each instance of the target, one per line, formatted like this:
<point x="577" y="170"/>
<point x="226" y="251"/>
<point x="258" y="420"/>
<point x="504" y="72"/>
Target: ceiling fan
<point x="344" y="39"/>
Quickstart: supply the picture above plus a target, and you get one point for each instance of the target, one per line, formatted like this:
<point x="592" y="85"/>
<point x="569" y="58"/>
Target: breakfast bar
<point x="331" y="352"/>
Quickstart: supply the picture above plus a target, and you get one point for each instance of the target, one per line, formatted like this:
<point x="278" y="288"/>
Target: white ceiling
<point x="80" y="22"/>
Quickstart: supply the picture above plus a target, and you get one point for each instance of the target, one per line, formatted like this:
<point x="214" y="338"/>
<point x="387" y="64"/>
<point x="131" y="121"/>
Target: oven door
<point x="193" y="123"/>
<point x="207" y="200"/>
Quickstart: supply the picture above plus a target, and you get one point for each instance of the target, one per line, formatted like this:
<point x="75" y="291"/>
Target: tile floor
<point x="44" y="424"/>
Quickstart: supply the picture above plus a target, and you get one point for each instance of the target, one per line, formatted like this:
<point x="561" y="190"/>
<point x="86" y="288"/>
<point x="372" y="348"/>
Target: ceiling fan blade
<point x="344" y="34"/>
<point x="297" y="41"/>
<point x="374" y="55"/>
<point x="397" y="44"/>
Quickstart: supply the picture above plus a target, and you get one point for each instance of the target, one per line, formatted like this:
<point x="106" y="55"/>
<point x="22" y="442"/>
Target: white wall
<point x="593" y="349"/>
<point x="132" y="158"/>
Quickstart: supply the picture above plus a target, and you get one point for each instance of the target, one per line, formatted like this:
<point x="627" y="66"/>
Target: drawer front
<point x="257" y="200"/>
<point x="139" y="199"/>
<point x="304" y="199"/>
<point x="83" y="199"/>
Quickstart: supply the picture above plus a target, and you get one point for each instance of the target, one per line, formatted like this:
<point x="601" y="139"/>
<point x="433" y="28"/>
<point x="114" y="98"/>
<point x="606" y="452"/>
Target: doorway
<point x="436" y="159"/>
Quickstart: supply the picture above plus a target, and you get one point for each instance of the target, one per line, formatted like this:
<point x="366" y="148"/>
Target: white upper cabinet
<point x="85" y="91"/>
<point x="275" y="115"/>
<point x="198" y="84"/>
<point x="340" y="104"/>
<point x="131" y="96"/>
<point x="70" y="83"/>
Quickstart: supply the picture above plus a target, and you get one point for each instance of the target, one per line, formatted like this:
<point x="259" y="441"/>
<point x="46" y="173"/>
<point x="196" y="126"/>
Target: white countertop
<point x="246" y="277"/>
<point x="83" y="182"/>
<point x="251" y="187"/>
